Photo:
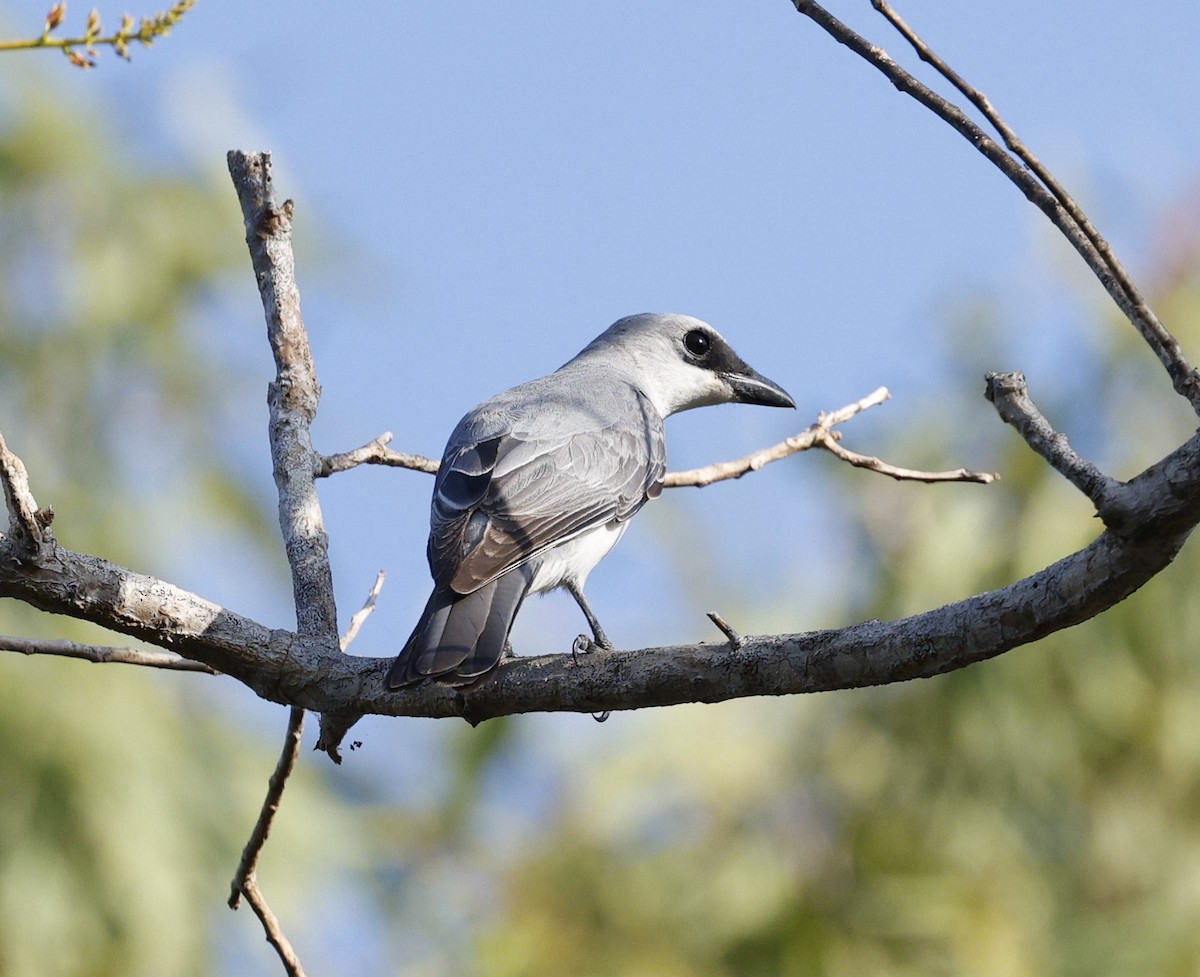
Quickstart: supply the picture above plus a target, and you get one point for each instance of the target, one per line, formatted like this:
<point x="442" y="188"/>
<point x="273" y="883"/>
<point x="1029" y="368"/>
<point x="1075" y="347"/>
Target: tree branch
<point x="1009" y="393"/>
<point x="103" y="654"/>
<point x="1022" y="152"/>
<point x="816" y="436"/>
<point x="1098" y="257"/>
<point x="373" y="453"/>
<point x="292" y="399"/>
<point x="245" y="879"/>
<point x="1163" y="504"/>
<point x="28" y="526"/>
<point x="830" y="443"/>
<point x="363" y="612"/>
<point x="144" y="32"/>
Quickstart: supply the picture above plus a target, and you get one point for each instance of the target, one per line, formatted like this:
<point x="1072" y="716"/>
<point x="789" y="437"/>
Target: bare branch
<point x="271" y="927"/>
<point x="245" y="880"/>
<point x="818" y="435"/>
<point x="809" y="438"/>
<point x="830" y="443"/>
<point x="374" y="453"/>
<point x="1010" y="394"/>
<point x="1022" y="152"/>
<point x="735" y="639"/>
<point x="363" y="612"/>
<point x="1162" y="506"/>
<point x="292" y="397"/>
<point x="104" y="654"/>
<point x="28" y="525"/>
<point x="1184" y="378"/>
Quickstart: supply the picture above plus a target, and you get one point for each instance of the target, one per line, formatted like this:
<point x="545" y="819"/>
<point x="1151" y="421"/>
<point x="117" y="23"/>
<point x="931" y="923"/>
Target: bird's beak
<point x="750" y="387"/>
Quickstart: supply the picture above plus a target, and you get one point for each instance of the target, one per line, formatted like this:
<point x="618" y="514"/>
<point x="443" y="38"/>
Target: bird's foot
<point x="583" y="645"/>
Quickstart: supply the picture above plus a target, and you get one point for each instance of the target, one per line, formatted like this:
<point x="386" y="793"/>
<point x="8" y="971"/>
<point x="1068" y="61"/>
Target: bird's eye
<point x="697" y="342"/>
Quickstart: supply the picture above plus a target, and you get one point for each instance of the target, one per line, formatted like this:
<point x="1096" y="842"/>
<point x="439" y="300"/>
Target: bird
<point x="538" y="483"/>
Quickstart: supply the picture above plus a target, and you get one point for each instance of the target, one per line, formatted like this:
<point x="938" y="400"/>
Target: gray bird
<point x="538" y="483"/>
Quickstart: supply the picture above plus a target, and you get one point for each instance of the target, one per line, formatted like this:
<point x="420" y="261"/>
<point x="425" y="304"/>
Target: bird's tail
<point x="461" y="637"/>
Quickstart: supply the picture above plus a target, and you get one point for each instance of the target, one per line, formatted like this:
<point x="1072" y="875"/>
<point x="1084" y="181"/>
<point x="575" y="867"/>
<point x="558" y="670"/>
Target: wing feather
<point x="515" y="482"/>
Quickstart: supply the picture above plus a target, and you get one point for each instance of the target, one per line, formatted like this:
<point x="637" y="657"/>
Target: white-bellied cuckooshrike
<point x="538" y="483"/>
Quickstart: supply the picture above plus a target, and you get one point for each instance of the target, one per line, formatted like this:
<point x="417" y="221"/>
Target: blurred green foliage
<point x="124" y="797"/>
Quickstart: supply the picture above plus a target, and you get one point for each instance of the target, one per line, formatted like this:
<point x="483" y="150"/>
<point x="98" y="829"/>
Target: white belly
<point x="573" y="560"/>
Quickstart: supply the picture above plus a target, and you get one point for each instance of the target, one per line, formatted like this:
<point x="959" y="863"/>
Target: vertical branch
<point x="245" y="881"/>
<point x="27" y="524"/>
<point x="292" y="399"/>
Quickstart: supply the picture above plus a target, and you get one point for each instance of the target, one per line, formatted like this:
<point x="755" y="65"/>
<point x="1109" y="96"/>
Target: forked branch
<point x="818" y="435"/>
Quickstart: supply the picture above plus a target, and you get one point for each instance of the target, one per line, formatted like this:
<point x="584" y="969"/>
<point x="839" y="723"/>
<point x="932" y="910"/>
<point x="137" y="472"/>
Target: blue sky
<point x="481" y="188"/>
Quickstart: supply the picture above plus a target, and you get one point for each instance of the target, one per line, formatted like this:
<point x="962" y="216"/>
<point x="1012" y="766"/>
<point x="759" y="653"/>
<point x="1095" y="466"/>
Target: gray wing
<point x="534" y="467"/>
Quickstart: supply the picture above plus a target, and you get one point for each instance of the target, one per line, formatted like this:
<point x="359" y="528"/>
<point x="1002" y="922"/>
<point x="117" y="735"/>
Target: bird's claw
<point x="582" y="645"/>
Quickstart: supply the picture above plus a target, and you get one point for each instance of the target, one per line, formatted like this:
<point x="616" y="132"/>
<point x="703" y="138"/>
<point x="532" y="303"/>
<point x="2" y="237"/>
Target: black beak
<point x="753" y="388"/>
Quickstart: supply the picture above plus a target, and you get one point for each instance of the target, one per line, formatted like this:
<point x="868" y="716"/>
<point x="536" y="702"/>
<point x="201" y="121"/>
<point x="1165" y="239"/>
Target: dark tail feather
<point x="461" y="637"/>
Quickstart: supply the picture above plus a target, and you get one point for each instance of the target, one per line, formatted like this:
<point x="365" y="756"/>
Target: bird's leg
<point x="582" y="643"/>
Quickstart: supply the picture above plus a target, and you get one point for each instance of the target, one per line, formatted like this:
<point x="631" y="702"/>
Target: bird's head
<point x="680" y="362"/>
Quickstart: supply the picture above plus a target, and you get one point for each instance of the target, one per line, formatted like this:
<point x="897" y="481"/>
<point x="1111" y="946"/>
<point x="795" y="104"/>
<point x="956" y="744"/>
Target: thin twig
<point x="271" y="927"/>
<point x="1015" y="146"/>
<point x="363" y="612"/>
<point x="1184" y="378"/>
<point x="806" y="439"/>
<point x="735" y="639"/>
<point x="104" y="654"/>
<point x="830" y="444"/>
<point x="144" y="32"/>
<point x="819" y="435"/>
<point x="262" y="827"/>
<point x="373" y="453"/>
<point x="245" y="880"/>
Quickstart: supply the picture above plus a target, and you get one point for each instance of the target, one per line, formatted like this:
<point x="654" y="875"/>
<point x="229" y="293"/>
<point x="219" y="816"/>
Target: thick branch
<point x="1163" y="503"/>
<point x="292" y="397"/>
